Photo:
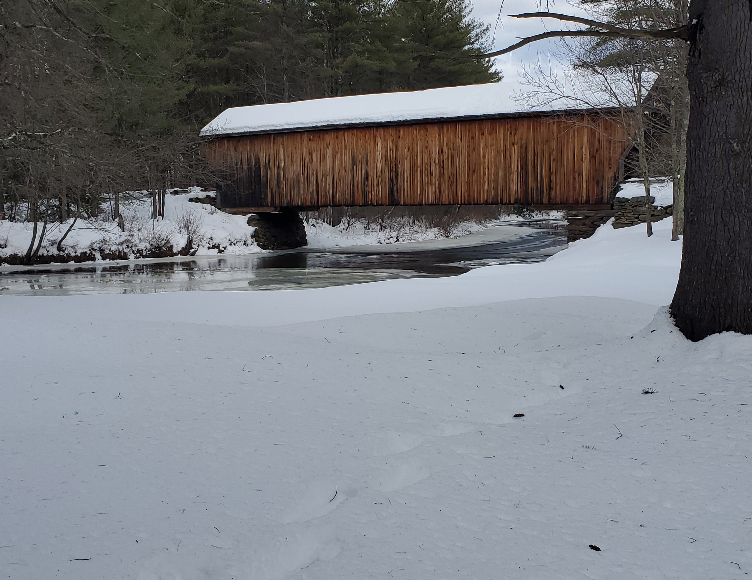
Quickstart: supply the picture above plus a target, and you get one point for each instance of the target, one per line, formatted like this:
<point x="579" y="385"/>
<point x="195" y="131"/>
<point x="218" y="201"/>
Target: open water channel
<point x="303" y="268"/>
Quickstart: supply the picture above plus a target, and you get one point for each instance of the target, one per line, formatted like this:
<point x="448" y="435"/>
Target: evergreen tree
<point x="443" y="44"/>
<point x="372" y="64"/>
<point x="342" y="27"/>
<point x="144" y="48"/>
<point x="287" y="55"/>
<point x="248" y="52"/>
<point x="216" y="74"/>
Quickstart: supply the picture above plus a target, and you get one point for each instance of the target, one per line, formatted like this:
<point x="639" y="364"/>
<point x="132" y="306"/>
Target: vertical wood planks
<point x="564" y="160"/>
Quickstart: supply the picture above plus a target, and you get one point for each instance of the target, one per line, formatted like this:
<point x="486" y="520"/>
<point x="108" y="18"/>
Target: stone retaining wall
<point x="631" y="211"/>
<point x="626" y="212"/>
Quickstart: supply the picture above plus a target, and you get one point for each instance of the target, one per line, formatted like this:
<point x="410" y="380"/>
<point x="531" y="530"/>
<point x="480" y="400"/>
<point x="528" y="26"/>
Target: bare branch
<point x="551" y="34"/>
<point x="607" y="30"/>
<point x="680" y="32"/>
<point x="568" y="18"/>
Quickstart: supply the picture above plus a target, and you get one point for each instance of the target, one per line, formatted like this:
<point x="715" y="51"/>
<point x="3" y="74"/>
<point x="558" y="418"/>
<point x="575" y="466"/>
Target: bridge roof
<point x="471" y="101"/>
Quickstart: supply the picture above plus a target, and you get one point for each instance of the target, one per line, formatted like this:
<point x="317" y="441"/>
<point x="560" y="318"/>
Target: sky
<point x="508" y="30"/>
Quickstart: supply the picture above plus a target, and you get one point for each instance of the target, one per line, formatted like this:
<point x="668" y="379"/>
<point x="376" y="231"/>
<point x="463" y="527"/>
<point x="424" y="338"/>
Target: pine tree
<point x="372" y="64"/>
<point x="246" y="52"/>
<point x="443" y="44"/>
<point x="144" y="46"/>
<point x="342" y="28"/>
<point x="287" y="55"/>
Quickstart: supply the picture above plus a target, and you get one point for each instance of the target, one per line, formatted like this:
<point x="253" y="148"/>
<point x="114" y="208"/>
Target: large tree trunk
<point x="714" y="293"/>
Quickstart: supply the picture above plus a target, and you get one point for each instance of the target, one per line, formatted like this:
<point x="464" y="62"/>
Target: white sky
<point x="510" y="29"/>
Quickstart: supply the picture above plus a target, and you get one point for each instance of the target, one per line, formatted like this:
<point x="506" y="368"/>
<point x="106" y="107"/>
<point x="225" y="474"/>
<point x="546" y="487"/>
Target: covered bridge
<point x="458" y="145"/>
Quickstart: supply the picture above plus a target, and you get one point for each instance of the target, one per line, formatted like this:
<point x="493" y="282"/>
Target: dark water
<point x="303" y="268"/>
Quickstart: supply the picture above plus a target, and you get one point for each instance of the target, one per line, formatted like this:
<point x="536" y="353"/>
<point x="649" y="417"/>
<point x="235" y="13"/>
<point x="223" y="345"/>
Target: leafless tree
<point x="643" y="77"/>
<point x="56" y="157"/>
<point x="714" y="293"/>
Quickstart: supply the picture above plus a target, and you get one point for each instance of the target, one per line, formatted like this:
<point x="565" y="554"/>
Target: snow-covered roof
<point x="447" y="103"/>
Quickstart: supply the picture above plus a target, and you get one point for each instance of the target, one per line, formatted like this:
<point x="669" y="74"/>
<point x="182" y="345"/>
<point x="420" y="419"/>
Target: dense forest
<point x="103" y="95"/>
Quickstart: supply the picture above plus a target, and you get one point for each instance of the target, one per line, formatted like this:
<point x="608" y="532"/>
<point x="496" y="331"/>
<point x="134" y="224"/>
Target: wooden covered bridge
<point x="458" y="145"/>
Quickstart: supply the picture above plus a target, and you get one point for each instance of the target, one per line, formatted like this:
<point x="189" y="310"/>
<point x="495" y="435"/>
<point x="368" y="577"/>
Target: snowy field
<point x="368" y="431"/>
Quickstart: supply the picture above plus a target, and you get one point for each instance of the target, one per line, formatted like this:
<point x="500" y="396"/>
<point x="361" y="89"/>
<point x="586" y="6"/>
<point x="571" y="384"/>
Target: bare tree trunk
<point x="683" y="122"/>
<point x="117" y="216"/>
<point x="679" y="205"/>
<point x="714" y="293"/>
<point x="41" y="239"/>
<point x="65" y="235"/>
<point x="152" y="189"/>
<point x="645" y="170"/>
<point x="63" y="201"/>
<point x="674" y="130"/>
<point x="636" y="73"/>
<point x="679" y="120"/>
<point x="33" y="216"/>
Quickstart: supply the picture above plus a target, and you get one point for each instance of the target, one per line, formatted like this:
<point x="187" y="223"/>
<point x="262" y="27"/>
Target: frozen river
<point x="304" y="268"/>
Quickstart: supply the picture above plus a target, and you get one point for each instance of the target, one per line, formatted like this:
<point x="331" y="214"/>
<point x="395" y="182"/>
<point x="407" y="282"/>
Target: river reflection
<point x="305" y="268"/>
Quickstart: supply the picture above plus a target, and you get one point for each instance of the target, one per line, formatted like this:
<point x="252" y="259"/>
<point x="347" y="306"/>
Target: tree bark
<point x="63" y="200"/>
<point x="679" y="205"/>
<point x="714" y="293"/>
<point x="679" y="115"/>
<point x="117" y="216"/>
<point x="33" y="211"/>
<point x="39" y="244"/>
<point x="65" y="235"/>
<point x="675" y="170"/>
<point x="645" y="170"/>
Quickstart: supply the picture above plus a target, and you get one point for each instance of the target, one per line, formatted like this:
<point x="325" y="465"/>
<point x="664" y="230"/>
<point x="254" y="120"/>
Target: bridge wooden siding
<point x="551" y="160"/>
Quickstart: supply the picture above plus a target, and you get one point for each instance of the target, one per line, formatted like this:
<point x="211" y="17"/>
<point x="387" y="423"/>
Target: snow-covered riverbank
<point x="100" y="238"/>
<point x="369" y="431"/>
<point x="199" y="229"/>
